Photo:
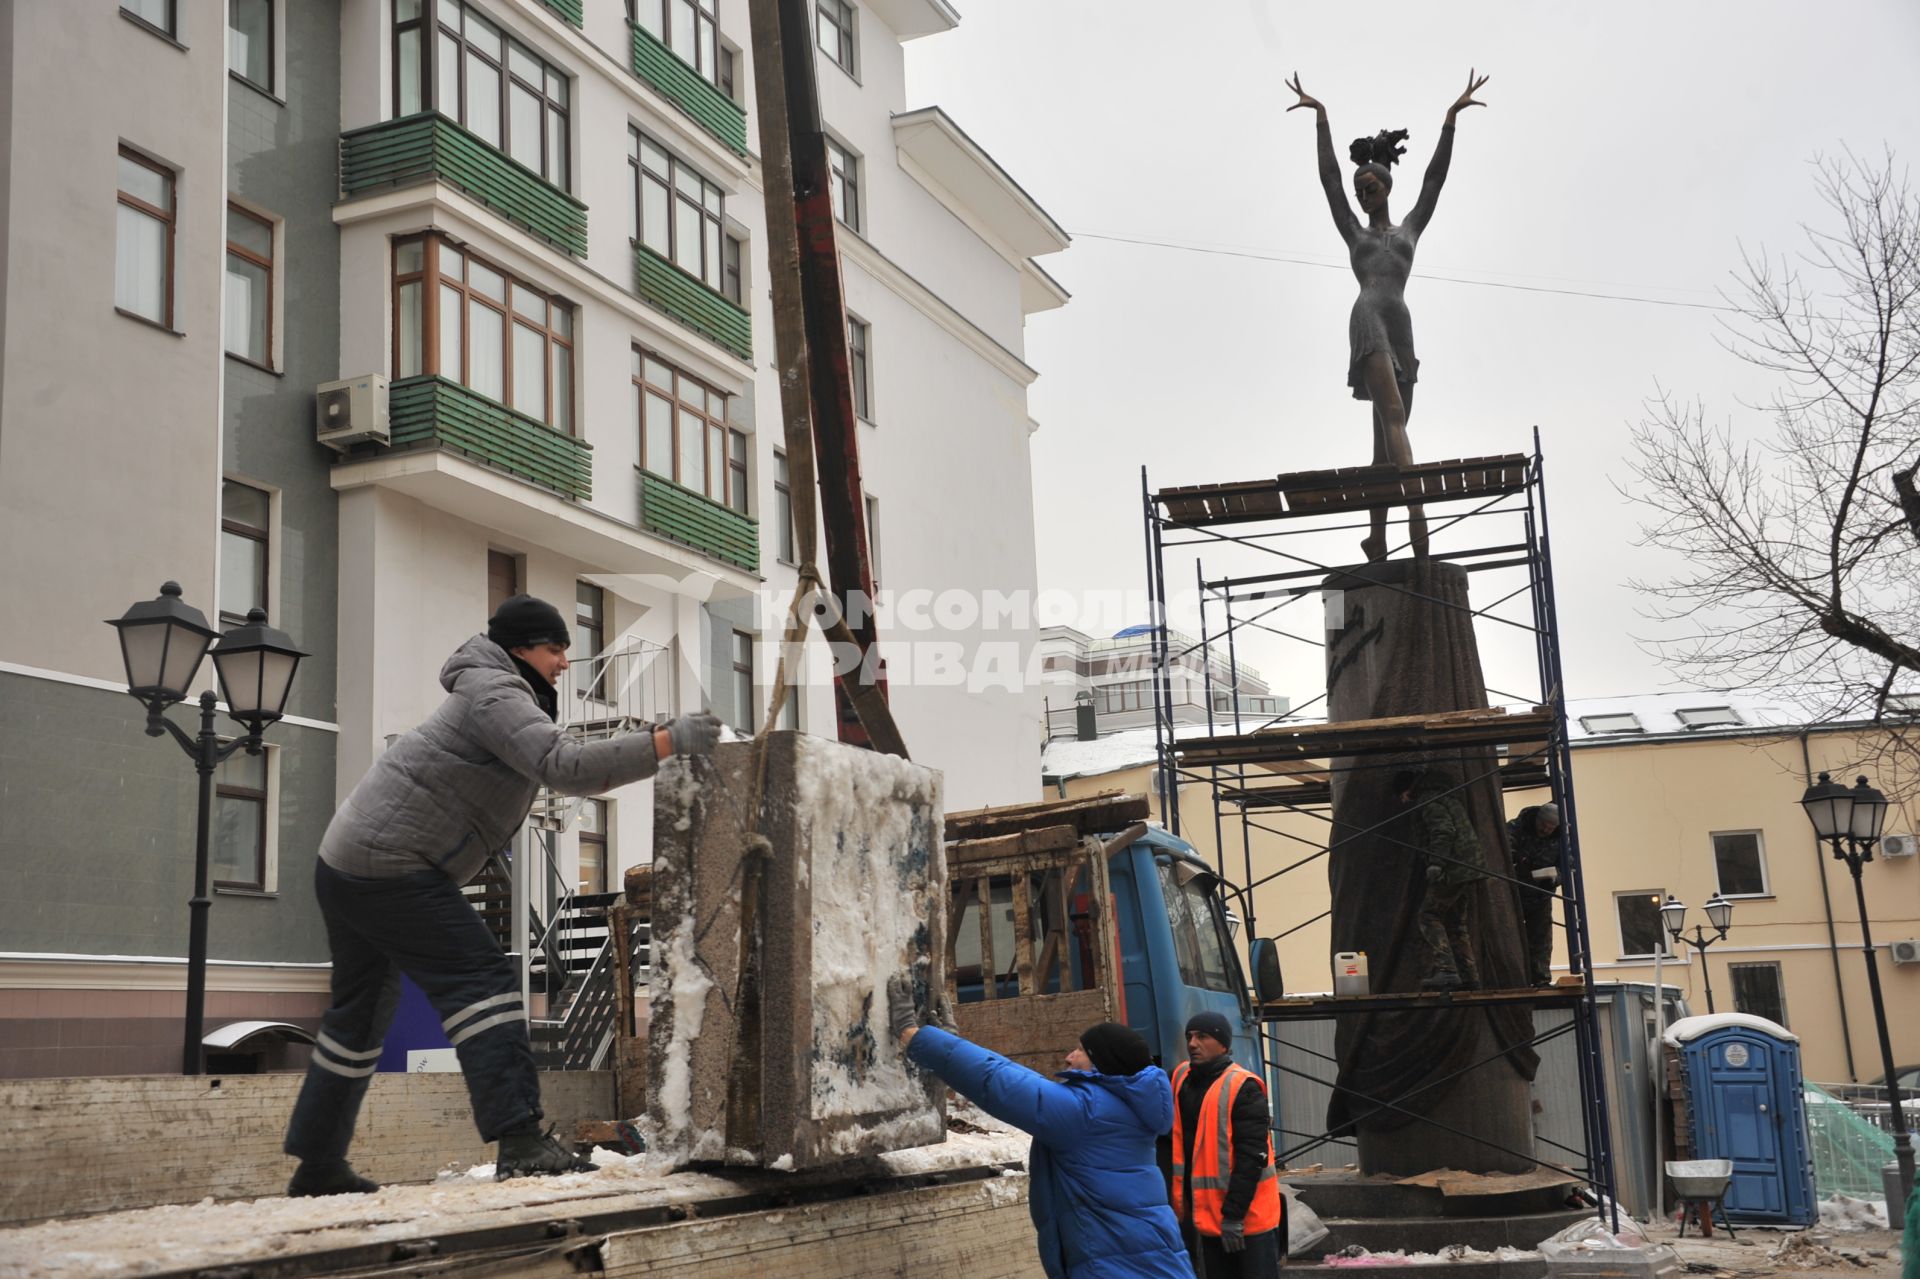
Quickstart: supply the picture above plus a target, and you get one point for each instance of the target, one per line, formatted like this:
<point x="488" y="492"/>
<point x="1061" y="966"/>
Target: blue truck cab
<point x="1172" y="949"/>
<point x="1176" y="949"/>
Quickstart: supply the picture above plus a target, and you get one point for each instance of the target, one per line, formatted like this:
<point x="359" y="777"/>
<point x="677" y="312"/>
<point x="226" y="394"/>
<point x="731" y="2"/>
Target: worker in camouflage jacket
<point x="1533" y="842"/>
<point x="1455" y="864"/>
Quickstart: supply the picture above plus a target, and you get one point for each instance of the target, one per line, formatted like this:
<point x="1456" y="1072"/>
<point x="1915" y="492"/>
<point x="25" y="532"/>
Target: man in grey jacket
<point x="419" y="825"/>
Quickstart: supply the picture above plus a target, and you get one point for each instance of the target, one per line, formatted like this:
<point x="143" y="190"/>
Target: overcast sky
<point x="1626" y="148"/>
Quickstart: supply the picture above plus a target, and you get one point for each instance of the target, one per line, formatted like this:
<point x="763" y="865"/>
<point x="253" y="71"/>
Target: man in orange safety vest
<point x="1225" y="1188"/>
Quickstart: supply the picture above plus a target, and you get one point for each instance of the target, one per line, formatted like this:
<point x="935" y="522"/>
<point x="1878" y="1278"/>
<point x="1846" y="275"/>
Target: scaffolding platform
<point x="1285" y="744"/>
<point x="1346" y="488"/>
<point x="1296" y="1007"/>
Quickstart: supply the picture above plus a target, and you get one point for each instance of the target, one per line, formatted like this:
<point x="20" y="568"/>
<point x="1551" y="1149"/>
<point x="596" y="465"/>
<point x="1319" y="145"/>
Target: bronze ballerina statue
<point x="1382" y="367"/>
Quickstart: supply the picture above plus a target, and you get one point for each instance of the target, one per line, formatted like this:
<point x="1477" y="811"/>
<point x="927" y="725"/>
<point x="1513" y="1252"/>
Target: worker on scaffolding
<point x="1455" y="864"/>
<point x="1533" y="842"/>
<point x="420" y="824"/>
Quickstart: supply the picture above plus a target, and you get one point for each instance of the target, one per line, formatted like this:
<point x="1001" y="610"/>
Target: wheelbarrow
<point x="1701" y="1185"/>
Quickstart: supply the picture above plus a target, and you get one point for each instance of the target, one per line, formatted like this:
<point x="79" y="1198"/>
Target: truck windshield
<point x="1199" y="942"/>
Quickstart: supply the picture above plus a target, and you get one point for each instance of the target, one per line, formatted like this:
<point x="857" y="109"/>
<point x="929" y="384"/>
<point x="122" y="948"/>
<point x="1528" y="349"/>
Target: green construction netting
<point x="1848" y="1152"/>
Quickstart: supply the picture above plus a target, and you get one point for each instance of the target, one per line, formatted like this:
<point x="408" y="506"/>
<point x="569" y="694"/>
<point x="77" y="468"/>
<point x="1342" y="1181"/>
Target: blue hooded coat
<point x="1097" y="1197"/>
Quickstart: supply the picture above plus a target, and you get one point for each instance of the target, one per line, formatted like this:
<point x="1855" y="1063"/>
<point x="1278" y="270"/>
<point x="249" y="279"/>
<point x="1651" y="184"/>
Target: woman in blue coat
<point x="1097" y="1197"/>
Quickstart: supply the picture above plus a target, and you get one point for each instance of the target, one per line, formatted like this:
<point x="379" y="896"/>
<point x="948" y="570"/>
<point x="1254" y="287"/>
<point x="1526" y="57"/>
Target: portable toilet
<point x="1745" y="1097"/>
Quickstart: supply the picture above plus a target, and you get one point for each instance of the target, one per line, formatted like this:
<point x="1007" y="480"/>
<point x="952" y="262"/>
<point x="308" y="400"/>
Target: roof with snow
<point x="1688" y="1029"/>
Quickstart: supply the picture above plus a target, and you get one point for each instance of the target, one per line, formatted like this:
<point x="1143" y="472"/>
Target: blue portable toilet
<point x="1748" y="1105"/>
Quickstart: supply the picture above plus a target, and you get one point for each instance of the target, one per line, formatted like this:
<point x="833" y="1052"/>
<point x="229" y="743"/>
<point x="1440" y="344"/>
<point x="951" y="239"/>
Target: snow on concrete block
<point x="776" y="1052"/>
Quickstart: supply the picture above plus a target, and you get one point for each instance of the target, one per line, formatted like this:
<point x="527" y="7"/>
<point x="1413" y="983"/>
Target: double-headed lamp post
<point x="163" y="641"/>
<point x="1849" y="821"/>
<point x="1673" y="914"/>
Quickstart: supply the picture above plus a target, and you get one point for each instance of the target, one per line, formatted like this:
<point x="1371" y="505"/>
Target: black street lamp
<point x="1849" y="821"/>
<point x="1719" y="914"/>
<point x="162" y="642"/>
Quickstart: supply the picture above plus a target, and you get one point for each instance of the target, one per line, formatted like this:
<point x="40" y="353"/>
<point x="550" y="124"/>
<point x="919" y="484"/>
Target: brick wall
<point x="75" y="1146"/>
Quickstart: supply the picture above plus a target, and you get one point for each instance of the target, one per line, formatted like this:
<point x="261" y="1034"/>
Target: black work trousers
<point x="1536" y="910"/>
<point x="420" y="925"/>
<point x="1260" y="1259"/>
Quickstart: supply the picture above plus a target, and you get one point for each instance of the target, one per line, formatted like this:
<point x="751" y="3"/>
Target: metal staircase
<point x="569" y="953"/>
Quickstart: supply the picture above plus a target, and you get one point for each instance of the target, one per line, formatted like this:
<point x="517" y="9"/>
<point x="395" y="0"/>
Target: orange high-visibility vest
<point x="1213" y="1157"/>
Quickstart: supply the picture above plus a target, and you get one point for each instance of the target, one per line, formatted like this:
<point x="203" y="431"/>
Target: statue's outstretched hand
<point x="1467" y="99"/>
<point x="1306" y="99"/>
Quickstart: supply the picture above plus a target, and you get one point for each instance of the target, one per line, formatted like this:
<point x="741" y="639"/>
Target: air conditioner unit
<point x="1899" y="845"/>
<point x="351" y="411"/>
<point x="1906" y="952"/>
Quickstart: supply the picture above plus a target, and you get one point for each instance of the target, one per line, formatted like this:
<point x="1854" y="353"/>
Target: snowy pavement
<point x="176" y="1236"/>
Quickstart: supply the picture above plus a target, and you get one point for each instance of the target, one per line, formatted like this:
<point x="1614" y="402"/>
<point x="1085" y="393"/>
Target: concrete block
<point x="768" y="1042"/>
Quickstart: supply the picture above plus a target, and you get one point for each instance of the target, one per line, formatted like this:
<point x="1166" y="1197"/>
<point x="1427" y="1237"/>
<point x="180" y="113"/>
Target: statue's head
<point x="1374" y="159"/>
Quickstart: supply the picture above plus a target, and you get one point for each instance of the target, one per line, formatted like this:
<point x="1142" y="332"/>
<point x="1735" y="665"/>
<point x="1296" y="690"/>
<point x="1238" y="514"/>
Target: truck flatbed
<point x="947" y="1209"/>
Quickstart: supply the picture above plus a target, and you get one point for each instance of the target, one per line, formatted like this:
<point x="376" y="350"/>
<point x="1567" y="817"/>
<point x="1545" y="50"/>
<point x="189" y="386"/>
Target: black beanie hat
<point x="1212" y="1025"/>
<point x="1115" y="1050"/>
<point x="525" y="621"/>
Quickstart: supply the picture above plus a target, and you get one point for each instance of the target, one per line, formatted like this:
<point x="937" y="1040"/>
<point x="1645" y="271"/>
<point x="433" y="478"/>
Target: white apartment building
<point x="1114" y="677"/>
<point x="534" y="230"/>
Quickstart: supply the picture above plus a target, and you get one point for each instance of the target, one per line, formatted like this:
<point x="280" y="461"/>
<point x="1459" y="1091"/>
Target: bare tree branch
<point x="1795" y="576"/>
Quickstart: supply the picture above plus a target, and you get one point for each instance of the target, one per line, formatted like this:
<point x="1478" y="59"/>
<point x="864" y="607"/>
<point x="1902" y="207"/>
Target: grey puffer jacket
<point x="456" y="788"/>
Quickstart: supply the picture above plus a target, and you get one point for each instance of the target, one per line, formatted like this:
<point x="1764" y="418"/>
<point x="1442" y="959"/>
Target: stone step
<point x="1530" y="1268"/>
<point x="1431" y="1234"/>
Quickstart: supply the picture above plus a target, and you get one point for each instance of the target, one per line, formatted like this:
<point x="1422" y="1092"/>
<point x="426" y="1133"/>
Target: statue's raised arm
<point x="1442" y="155"/>
<point x="1343" y="216"/>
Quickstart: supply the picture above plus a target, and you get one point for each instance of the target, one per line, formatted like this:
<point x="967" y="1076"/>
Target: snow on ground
<point x="176" y="1236"/>
<point x="1844" y="1212"/>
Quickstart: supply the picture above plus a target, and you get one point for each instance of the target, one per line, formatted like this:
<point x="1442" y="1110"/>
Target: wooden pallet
<point x="1347" y="488"/>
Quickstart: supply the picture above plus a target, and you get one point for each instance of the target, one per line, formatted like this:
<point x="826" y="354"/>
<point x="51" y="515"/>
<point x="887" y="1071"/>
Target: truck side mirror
<point x="1265" y="957"/>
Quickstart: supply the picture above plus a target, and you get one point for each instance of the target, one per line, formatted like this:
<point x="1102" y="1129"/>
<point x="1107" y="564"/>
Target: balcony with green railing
<point x="427" y="146"/>
<point x="687" y="89"/>
<point x="691" y="302"/>
<point x="571" y="10"/>
<point x="679" y="514"/>
<point x="433" y="413"/>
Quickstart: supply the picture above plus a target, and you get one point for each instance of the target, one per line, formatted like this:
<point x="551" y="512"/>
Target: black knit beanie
<point x="1212" y="1025"/>
<point x="1115" y="1050"/>
<point x="525" y="621"/>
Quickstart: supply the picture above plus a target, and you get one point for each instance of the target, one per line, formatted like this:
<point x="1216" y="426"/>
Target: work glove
<point x="1233" y="1236"/>
<point x="696" y="733"/>
<point x="902" y="1016"/>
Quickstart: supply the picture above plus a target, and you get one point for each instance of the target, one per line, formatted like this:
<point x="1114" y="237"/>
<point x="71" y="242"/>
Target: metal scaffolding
<point x="1488" y="516"/>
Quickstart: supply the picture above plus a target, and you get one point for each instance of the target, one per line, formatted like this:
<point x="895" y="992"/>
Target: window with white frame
<point x="676" y="211"/>
<point x="684" y="435"/>
<point x="246" y="532"/>
<point x="1740" y="861"/>
<point x="1622" y="722"/>
<point x="158" y="14"/>
<point x="732" y="278"/>
<point x="691" y="28"/>
<point x="745" y="712"/>
<point x="241" y="836"/>
<point x="1707" y="717"/>
<point x="458" y="315"/>
<point x="449" y="57"/>
<point x="783" y="509"/>
<point x="249" y="301"/>
<point x="593" y="846"/>
<point x="873" y="537"/>
<point x="1638" y="914"/>
<point x="143" y="247"/>
<point x="1758" y="990"/>
<point x="859" y="334"/>
<point x="250" y="41"/>
<point x="843" y="184"/>
<point x="834" y="29"/>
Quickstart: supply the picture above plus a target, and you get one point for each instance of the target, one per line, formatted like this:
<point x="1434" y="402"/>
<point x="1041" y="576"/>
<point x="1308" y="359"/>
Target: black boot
<point x="328" y="1176"/>
<point x="529" y="1152"/>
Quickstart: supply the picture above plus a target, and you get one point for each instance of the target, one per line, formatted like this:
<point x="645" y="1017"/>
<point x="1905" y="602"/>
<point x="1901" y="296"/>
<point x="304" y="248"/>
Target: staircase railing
<point x="609" y="694"/>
